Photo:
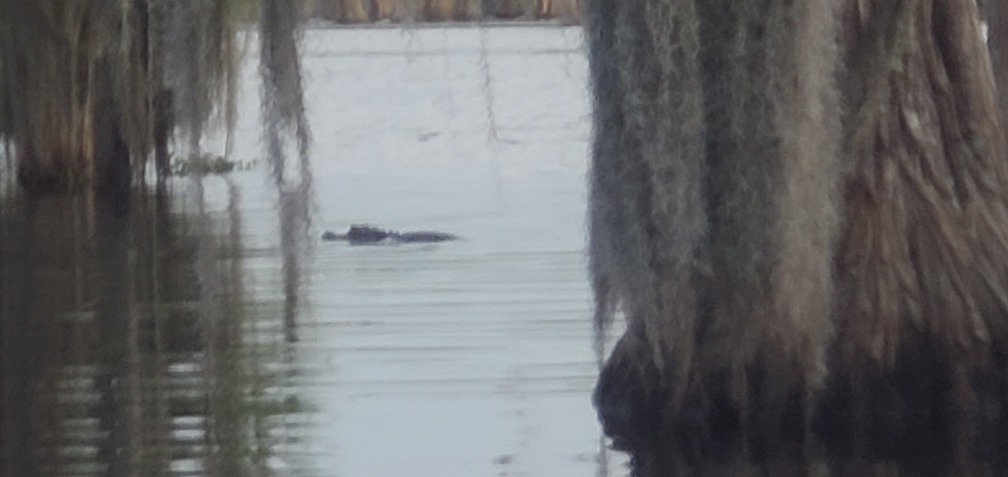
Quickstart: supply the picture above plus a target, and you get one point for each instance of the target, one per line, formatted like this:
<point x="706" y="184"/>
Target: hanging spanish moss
<point x="800" y="208"/>
<point x="200" y="67"/>
<point x="88" y="90"/>
<point x="286" y="135"/>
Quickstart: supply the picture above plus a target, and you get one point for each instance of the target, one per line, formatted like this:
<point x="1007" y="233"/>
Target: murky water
<point x="171" y="342"/>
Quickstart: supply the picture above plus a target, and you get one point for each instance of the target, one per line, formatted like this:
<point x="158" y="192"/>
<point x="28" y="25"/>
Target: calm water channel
<point x="177" y="341"/>
<point x="184" y="340"/>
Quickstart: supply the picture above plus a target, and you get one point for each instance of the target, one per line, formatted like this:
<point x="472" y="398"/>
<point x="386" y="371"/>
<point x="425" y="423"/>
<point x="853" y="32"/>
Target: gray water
<point x="171" y="342"/>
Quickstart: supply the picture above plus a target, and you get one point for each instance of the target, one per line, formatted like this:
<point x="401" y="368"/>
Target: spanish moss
<point x="201" y="65"/>
<point x="88" y="90"/>
<point x="800" y="208"/>
<point x="286" y="134"/>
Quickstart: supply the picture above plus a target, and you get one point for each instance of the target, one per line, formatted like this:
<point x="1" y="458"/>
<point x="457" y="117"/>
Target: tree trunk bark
<point x="568" y="11"/>
<point x="739" y="215"/>
<point x="996" y="17"/>
<point x="383" y="10"/>
<point x="468" y="10"/>
<point x="437" y="10"/>
<point x="922" y="263"/>
<point x="353" y="11"/>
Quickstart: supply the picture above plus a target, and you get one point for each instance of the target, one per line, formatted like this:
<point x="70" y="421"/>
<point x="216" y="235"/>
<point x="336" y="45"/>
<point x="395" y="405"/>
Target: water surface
<point x="171" y="342"/>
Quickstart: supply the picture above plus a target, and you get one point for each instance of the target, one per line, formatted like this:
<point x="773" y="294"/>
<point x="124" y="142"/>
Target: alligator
<point x="368" y="235"/>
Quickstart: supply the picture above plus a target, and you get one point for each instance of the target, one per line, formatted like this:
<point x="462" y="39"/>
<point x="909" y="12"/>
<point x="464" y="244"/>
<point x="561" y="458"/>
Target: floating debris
<point x="203" y="164"/>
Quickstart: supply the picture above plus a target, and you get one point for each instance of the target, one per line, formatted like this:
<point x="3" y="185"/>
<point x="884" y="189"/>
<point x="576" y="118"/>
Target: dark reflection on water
<point x="818" y="461"/>
<point x="129" y="346"/>
<point x="933" y="448"/>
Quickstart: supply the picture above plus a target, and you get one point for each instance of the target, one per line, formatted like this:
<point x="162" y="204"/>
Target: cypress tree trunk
<point x="747" y="225"/>
<point x="467" y="10"/>
<point x="922" y="261"/>
<point x="71" y="67"/>
<point x="353" y="11"/>
<point x="383" y="10"/>
<point x="439" y="10"/>
<point x="567" y="10"/>
<point x="44" y="77"/>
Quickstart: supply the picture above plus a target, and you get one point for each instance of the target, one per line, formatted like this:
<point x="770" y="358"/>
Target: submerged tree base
<point x="913" y="412"/>
<point x="950" y="454"/>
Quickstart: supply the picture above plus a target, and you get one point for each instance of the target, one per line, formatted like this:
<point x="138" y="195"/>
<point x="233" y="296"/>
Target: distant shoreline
<point x="317" y="24"/>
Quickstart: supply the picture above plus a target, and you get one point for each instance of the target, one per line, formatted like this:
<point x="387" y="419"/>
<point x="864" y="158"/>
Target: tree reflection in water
<point x="817" y="461"/>
<point x="128" y="344"/>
